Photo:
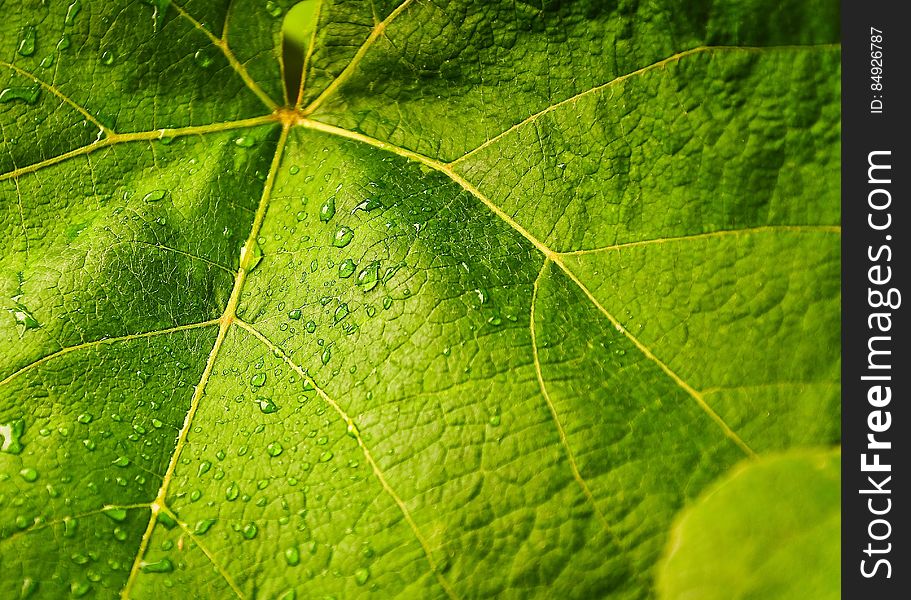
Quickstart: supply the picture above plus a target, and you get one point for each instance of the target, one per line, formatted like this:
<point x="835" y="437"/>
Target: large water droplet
<point x="72" y="12"/>
<point x="28" y="474"/>
<point x="28" y="94"/>
<point x="346" y="269"/>
<point x="340" y="312"/>
<point x="154" y="196"/>
<point x="274" y="449"/>
<point x="292" y="556"/>
<point x="258" y="380"/>
<point x="203" y="526"/>
<point x="327" y="210"/>
<point x="232" y="492"/>
<point x="9" y="436"/>
<point x="343" y="237"/>
<point x="27" y="39"/>
<point x="250" y="530"/>
<point x="160" y="566"/>
<point x="266" y="405"/>
<point x="116" y="514"/>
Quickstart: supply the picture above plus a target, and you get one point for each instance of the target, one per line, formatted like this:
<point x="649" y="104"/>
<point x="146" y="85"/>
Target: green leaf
<point x="776" y="522"/>
<point x="505" y="289"/>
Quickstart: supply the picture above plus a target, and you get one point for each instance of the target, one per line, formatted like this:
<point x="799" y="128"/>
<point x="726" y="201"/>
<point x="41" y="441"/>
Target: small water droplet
<point x="78" y="589"/>
<point x="27" y="40"/>
<point x="326" y="356"/>
<point x="64" y="43"/>
<point x="294" y="169"/>
<point x="116" y="514"/>
<point x="258" y="380"/>
<point x="29" y="474"/>
<point x="273" y="9"/>
<point x="47" y="62"/>
<point x="166" y="520"/>
<point x="160" y="566"/>
<point x="232" y="492"/>
<point x="203" y="526"/>
<point x="204" y="467"/>
<point x="119" y="534"/>
<point x="326" y="456"/>
<point x="121" y="461"/>
<point x="245" y="141"/>
<point x="369" y="277"/>
<point x="23" y="316"/>
<point x="84" y="418"/>
<point x="250" y="530"/>
<point x="29" y="587"/>
<point x="107" y="58"/>
<point x="343" y="237"/>
<point x="154" y="196"/>
<point x="274" y="449"/>
<point x="327" y="210"/>
<point x="361" y="576"/>
<point x="256" y="255"/>
<point x="266" y="405"/>
<point x="292" y="556"/>
<point x="203" y="58"/>
<point x="294" y="314"/>
<point x="340" y="312"/>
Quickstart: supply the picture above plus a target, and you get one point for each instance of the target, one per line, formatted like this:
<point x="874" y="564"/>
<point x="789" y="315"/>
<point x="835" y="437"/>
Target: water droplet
<point x="292" y="556"/>
<point x="245" y="141"/>
<point x="27" y="40"/>
<point x="326" y="356"/>
<point x="29" y="587"/>
<point x="250" y="530"/>
<point x="369" y="277"/>
<point x="203" y="58"/>
<point x="353" y="430"/>
<point x="160" y="566"/>
<point x="387" y="302"/>
<point x="343" y="237"/>
<point x="78" y="589"/>
<point x="203" y="526"/>
<point x="28" y="94"/>
<point x="121" y="461"/>
<point x="494" y="421"/>
<point x="116" y="514"/>
<point x="166" y="520"/>
<point x="258" y="380"/>
<point x="361" y="576"/>
<point x="119" y="534"/>
<point x="107" y="58"/>
<point x="84" y="418"/>
<point x="340" y="312"/>
<point x="310" y="326"/>
<point x="367" y="205"/>
<point x="326" y="456"/>
<point x="9" y="436"/>
<point x="71" y="12"/>
<point x="294" y="314"/>
<point x="274" y="449"/>
<point x="256" y="256"/>
<point x="232" y="492"/>
<point x="483" y="296"/>
<point x="327" y="210"/>
<point x="266" y="405"/>
<point x="154" y="196"/>
<point x="273" y="9"/>
<point x="47" y="62"/>
<point x="294" y="169"/>
<point x="28" y="474"/>
<point x="157" y="424"/>
<point x="64" y="42"/>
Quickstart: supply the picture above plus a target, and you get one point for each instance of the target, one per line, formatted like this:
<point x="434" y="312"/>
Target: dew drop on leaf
<point x="154" y="196"/>
<point x="245" y="141"/>
<point x="107" y="58"/>
<point x="340" y="313"/>
<point x="10" y="434"/>
<point x="28" y="94"/>
<point x="274" y="449"/>
<point x="160" y="566"/>
<point x="326" y="356"/>
<point x="203" y="526"/>
<point x="29" y="474"/>
<point x="203" y="58"/>
<point x="78" y="589"/>
<point x="327" y="210"/>
<point x="121" y="461"/>
<point x="116" y="514"/>
<point x="346" y="268"/>
<point x="294" y="314"/>
<point x="361" y="576"/>
<point x="343" y="237"/>
<point x="258" y="380"/>
<point x="326" y="456"/>
<point x="72" y="11"/>
<point x="166" y="520"/>
<point x="266" y="405"/>
<point x="23" y="316"/>
<point x="27" y="40"/>
<point x="232" y="492"/>
<point x="250" y="530"/>
<point x="292" y="556"/>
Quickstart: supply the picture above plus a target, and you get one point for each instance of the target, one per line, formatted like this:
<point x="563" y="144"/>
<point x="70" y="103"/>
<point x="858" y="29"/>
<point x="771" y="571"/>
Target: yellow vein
<point x="657" y="65"/>
<point x="97" y="511"/>
<point x="310" y="49"/>
<point x="222" y="44"/>
<point x="353" y="430"/>
<point x="346" y="73"/>
<point x="54" y="90"/>
<point x="555" y="257"/>
<point x="553" y="409"/>
<point x="713" y="234"/>
<point x="110" y="340"/>
<point x="227" y="318"/>
<point x="155" y="134"/>
<point x="209" y="554"/>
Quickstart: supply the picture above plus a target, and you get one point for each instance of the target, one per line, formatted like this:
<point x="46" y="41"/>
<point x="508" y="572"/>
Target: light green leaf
<point x="770" y="529"/>
<point x="506" y="288"/>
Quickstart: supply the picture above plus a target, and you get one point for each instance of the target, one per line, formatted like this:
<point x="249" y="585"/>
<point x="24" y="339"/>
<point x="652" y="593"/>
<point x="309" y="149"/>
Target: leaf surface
<point x="506" y="288"/>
